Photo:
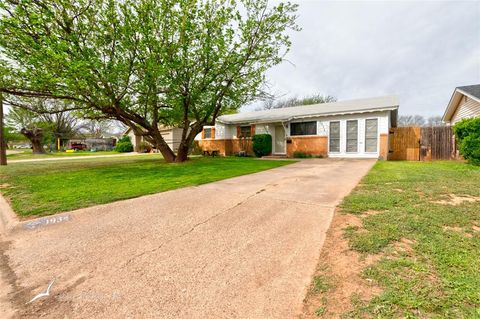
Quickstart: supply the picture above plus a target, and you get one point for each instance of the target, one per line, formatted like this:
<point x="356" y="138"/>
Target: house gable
<point x="464" y="103"/>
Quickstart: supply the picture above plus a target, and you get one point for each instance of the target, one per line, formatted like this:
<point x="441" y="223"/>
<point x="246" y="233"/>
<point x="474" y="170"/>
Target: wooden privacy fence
<point x="422" y="143"/>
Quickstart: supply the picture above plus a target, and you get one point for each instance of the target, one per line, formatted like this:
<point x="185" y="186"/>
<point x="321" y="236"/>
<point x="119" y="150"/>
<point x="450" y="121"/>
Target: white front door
<point x="279" y="144"/>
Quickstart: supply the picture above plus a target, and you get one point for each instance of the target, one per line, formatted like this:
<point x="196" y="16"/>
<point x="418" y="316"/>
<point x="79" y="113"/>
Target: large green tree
<point x="146" y="62"/>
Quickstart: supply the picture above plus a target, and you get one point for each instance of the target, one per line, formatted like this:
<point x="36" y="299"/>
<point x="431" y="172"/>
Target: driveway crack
<point x="130" y="260"/>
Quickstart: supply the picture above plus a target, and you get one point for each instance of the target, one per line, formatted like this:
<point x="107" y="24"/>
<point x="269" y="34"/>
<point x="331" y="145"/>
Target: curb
<point x="8" y="218"/>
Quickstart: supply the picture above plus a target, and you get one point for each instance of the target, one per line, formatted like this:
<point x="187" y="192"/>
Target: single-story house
<point x="464" y="103"/>
<point x="353" y="128"/>
<point x="172" y="136"/>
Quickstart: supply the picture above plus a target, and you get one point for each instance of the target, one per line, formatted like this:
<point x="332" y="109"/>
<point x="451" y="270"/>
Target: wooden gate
<point x="437" y="143"/>
<point x="404" y="144"/>
<point x="422" y="143"/>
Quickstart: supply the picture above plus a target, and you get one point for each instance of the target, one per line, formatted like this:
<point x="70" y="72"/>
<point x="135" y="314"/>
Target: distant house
<point x="464" y="103"/>
<point x="171" y="135"/>
<point x="99" y="144"/>
<point x="354" y="128"/>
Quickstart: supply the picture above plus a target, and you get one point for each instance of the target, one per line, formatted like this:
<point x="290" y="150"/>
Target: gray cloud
<point x="419" y="51"/>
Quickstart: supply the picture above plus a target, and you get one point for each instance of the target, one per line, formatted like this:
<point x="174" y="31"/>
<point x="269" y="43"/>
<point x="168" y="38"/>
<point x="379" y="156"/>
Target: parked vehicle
<point x="78" y="146"/>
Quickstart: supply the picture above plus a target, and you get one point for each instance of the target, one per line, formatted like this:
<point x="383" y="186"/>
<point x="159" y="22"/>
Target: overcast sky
<point x="419" y="51"/>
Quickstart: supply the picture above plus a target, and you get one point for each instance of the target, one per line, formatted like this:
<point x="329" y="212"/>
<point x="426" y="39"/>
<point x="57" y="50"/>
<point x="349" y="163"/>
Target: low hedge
<point x="262" y="144"/>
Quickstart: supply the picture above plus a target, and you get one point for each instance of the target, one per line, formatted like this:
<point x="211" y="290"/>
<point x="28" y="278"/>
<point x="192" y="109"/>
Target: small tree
<point x="29" y="125"/>
<point x="467" y="132"/>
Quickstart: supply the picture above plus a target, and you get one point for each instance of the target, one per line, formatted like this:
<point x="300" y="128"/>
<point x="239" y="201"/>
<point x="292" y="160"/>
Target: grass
<point x="48" y="187"/>
<point x="29" y="155"/>
<point x="438" y="276"/>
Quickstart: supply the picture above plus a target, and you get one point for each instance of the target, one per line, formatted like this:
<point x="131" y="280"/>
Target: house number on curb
<point x="47" y="221"/>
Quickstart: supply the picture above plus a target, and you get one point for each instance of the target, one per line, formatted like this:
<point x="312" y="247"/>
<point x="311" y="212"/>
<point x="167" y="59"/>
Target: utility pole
<point x="3" y="144"/>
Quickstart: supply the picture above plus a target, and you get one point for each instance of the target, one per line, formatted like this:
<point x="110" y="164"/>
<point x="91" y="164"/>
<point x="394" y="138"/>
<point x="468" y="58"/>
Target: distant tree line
<point x="419" y="120"/>
<point x="276" y="103"/>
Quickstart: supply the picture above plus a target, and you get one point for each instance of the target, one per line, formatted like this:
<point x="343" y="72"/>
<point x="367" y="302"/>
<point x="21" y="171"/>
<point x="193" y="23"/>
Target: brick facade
<point x="312" y="145"/>
<point x="227" y="147"/>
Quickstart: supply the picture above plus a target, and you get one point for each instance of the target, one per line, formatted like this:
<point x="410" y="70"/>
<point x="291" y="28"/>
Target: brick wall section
<point x="383" y="146"/>
<point x="226" y="147"/>
<point x="313" y="145"/>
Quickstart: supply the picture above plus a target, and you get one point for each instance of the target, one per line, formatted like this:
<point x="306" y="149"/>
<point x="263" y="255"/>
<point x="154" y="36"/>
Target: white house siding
<point x="227" y="131"/>
<point x="323" y="125"/>
<point x="466" y="109"/>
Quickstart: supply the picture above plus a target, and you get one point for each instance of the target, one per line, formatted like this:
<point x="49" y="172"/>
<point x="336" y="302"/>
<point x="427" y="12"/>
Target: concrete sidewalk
<point x="244" y="247"/>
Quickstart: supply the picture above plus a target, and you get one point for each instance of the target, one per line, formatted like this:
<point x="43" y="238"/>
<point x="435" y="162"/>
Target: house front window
<point x="371" y="138"/>
<point x="245" y="131"/>
<point x="334" y="137"/>
<point x="207" y="132"/>
<point x="304" y="128"/>
<point x="352" y="136"/>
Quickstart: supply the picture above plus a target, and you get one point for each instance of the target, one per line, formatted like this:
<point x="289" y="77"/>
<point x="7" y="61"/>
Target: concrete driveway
<point x="245" y="247"/>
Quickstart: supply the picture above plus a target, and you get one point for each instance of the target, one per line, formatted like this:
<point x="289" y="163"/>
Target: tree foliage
<point x="419" y="120"/>
<point x="467" y="132"/>
<point x="273" y="103"/>
<point x="177" y="63"/>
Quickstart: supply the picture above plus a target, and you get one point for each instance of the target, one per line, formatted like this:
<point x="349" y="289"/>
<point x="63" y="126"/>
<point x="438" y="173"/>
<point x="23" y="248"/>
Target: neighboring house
<point x="172" y="136"/>
<point x="464" y="103"/>
<point x="354" y="128"/>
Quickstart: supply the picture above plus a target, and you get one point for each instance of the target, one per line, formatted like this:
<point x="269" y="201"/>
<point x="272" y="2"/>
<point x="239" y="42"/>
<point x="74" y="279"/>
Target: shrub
<point x="144" y="147"/>
<point x="124" y="145"/>
<point x="301" y="155"/>
<point x="467" y="132"/>
<point x="262" y="144"/>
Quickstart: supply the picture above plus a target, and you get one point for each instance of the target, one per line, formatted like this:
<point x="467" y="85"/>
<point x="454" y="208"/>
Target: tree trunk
<point x="182" y="153"/>
<point x="186" y="142"/>
<point x="35" y="137"/>
<point x="3" y="145"/>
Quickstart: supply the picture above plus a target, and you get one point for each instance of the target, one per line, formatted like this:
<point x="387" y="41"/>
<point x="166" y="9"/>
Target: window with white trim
<point x="334" y="137"/>
<point x="352" y="136"/>
<point x="371" y="135"/>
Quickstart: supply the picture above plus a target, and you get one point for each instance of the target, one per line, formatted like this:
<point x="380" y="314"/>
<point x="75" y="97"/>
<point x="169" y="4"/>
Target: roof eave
<point x="290" y="118"/>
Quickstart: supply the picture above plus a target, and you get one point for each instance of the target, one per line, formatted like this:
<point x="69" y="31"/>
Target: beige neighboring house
<point x="172" y="136"/>
<point x="464" y="103"/>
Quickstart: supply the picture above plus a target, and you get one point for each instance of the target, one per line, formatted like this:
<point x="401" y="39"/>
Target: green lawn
<point x="439" y="276"/>
<point x="47" y="187"/>
<point x="29" y="155"/>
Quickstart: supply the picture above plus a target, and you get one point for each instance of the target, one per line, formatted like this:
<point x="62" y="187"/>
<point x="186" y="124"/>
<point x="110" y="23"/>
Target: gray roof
<point x="382" y="103"/>
<point x="471" y="89"/>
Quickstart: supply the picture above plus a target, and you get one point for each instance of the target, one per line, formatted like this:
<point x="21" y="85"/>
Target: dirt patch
<point x="4" y="185"/>
<point x="371" y="213"/>
<point x="343" y="267"/>
<point x="452" y="199"/>
<point x="461" y="230"/>
<point x="404" y="246"/>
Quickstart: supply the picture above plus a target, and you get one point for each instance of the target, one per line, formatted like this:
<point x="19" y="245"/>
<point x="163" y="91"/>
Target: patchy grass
<point x="47" y="187"/>
<point x="29" y="155"/>
<point x="436" y="273"/>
